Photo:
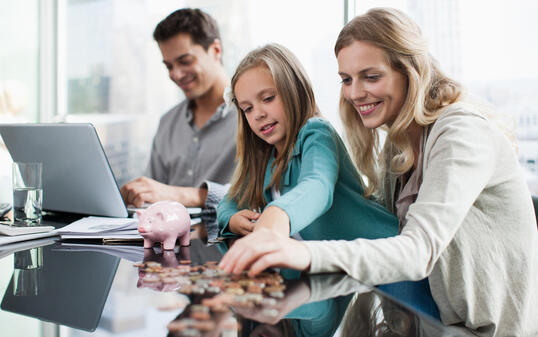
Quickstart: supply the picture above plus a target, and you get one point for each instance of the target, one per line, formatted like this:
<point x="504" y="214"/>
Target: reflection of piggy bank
<point x="166" y="259"/>
<point x="164" y="222"/>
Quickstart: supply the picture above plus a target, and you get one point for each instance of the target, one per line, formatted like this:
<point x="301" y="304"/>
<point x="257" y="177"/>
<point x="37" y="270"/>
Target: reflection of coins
<point x="235" y="291"/>
<point x="204" y="325"/>
<point x="270" y="312"/>
<point x="253" y="288"/>
<point x="203" y="316"/>
<point x="150" y="278"/>
<point x="190" y="333"/>
<point x="274" y="288"/>
<point x="180" y="325"/>
<point x="276" y="294"/>
<point x="268" y="301"/>
<point x="221" y="290"/>
<point x="199" y="308"/>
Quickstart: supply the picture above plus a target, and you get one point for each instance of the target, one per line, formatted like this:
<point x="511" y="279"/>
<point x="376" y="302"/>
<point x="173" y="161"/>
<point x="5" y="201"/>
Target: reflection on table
<point x="129" y="290"/>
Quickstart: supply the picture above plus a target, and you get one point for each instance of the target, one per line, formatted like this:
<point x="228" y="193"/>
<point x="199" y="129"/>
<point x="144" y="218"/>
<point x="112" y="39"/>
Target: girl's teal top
<point x="321" y="192"/>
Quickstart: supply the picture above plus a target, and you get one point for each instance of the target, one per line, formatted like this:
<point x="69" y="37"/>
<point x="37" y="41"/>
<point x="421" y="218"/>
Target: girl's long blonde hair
<point x="428" y="90"/>
<point x="295" y="90"/>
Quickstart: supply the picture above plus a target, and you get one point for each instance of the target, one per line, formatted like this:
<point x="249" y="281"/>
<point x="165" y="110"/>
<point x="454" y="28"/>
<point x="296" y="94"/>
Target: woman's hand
<point x="264" y="248"/>
<point x="241" y="222"/>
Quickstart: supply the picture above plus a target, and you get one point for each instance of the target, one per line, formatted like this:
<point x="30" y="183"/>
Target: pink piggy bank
<point x="164" y="222"/>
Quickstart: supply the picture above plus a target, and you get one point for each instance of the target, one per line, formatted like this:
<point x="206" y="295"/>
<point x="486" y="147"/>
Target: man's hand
<point x="145" y="190"/>
<point x="241" y="222"/>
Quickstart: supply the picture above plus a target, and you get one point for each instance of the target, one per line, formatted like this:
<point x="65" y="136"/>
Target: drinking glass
<point x="27" y="193"/>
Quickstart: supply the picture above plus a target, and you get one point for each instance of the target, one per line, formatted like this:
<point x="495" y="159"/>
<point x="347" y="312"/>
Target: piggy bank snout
<point x="144" y="228"/>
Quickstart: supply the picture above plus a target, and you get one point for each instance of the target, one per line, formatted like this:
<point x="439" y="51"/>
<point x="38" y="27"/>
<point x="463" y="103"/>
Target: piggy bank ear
<point x="160" y="216"/>
<point x="138" y="214"/>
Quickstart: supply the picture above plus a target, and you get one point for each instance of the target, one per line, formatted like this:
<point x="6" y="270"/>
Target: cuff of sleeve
<point x="223" y="220"/>
<point x="321" y="256"/>
<point x="215" y="193"/>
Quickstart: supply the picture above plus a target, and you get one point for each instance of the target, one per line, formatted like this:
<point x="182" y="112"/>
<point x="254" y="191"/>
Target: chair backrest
<point x="535" y="203"/>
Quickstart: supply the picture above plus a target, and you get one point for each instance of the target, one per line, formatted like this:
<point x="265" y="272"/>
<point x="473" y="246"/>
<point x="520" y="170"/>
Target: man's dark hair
<point x="201" y="27"/>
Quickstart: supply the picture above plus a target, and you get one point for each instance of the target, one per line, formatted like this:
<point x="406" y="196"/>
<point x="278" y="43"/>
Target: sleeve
<point x="313" y="194"/>
<point x="459" y="161"/>
<point x="215" y="193"/>
<point x="226" y="208"/>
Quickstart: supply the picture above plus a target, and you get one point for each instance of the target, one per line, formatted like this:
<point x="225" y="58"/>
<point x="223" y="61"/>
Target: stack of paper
<point x="10" y="234"/>
<point x="94" y="227"/>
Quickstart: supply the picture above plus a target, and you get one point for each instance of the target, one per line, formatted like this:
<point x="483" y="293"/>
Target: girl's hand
<point x="264" y="248"/>
<point x="241" y="222"/>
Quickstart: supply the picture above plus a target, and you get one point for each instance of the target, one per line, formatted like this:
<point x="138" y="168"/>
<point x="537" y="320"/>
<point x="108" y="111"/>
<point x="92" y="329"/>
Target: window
<point x="19" y="74"/>
<point x="487" y="46"/>
<point x="112" y="74"/>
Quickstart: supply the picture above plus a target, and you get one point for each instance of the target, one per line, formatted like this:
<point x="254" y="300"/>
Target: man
<point x="194" y="148"/>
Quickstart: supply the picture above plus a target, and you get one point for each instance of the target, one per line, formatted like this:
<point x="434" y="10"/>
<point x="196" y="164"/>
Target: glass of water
<point x="27" y="193"/>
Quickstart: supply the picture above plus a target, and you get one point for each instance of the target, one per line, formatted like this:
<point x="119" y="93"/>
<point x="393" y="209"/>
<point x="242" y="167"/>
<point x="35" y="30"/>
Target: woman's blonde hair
<point x="294" y="88"/>
<point x="428" y="90"/>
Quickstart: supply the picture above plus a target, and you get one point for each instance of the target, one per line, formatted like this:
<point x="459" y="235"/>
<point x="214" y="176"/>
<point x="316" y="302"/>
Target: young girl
<point x="449" y="173"/>
<point x="291" y="164"/>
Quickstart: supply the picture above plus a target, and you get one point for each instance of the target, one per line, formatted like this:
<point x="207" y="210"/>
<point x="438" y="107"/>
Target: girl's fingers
<point x="248" y="226"/>
<point x="251" y="215"/>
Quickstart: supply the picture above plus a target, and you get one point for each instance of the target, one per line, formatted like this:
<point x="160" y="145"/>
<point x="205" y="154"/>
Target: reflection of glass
<point x="26" y="273"/>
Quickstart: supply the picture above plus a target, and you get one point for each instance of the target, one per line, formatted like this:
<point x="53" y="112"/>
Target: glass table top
<point x="125" y="290"/>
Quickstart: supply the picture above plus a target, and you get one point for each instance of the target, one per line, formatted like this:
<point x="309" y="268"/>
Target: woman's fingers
<point x="271" y="259"/>
<point x="250" y="253"/>
<point x="289" y="253"/>
<point x="237" y="252"/>
<point x="262" y="249"/>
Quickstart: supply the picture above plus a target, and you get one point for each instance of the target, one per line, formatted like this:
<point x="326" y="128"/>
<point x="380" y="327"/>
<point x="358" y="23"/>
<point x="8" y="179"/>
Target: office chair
<point x="535" y="203"/>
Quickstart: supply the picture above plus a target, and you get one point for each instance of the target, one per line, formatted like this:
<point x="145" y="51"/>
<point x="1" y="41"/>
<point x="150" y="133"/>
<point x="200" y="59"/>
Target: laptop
<point x="76" y="174"/>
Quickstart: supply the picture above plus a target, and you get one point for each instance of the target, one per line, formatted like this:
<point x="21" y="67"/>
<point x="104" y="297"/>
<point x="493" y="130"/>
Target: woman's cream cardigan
<point x="472" y="231"/>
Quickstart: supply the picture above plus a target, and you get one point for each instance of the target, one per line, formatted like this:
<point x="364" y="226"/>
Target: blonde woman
<point x="447" y="171"/>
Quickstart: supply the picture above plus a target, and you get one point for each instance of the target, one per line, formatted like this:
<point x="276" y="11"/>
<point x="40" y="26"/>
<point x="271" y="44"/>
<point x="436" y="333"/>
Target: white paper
<point x="130" y="234"/>
<point x="10" y="239"/>
<point x="96" y="225"/>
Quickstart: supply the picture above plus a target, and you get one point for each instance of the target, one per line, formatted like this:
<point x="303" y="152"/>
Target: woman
<point x="447" y="171"/>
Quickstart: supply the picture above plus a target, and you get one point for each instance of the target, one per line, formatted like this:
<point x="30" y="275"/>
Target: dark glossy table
<point x="87" y="289"/>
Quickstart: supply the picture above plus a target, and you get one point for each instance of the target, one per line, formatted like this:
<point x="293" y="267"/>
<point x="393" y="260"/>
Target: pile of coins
<point x="219" y="290"/>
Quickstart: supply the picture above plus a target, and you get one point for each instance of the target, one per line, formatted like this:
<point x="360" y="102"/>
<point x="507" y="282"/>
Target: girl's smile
<point x="259" y="101"/>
